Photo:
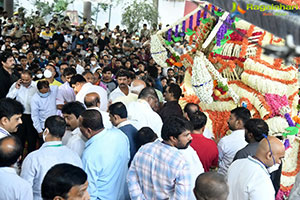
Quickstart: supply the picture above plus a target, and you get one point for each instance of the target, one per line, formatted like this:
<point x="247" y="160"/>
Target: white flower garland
<point x="201" y="80"/>
<point x="158" y="52"/>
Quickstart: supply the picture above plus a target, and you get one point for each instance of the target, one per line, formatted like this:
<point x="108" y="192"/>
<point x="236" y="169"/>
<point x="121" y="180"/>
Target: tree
<point x="57" y="7"/>
<point x="137" y="13"/>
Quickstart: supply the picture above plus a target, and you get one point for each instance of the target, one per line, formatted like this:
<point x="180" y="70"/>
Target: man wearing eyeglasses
<point x="249" y="178"/>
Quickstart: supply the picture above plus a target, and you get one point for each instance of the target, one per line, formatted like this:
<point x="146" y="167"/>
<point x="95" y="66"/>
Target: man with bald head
<point x="93" y="101"/>
<point x="11" y="185"/>
<point x="211" y="186"/>
<point x="137" y="86"/>
<point x="249" y="178"/>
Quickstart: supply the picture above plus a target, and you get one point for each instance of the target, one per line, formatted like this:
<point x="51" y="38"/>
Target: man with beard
<point x="123" y="89"/>
<point x="159" y="170"/>
<point x="229" y="145"/>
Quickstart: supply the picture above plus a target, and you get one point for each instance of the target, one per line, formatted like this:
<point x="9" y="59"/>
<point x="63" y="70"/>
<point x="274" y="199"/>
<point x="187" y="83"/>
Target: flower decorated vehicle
<point x="226" y="68"/>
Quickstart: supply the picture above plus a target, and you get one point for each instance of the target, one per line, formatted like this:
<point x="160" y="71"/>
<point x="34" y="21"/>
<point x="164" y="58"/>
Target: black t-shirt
<point x="102" y="43"/>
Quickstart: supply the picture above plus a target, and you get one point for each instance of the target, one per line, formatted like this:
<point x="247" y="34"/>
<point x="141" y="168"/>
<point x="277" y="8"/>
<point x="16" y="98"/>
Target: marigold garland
<point x="245" y="41"/>
<point x="259" y="49"/>
<point x="271" y="66"/>
<point x="219" y="122"/>
<point x="287" y="82"/>
<point x="296" y="170"/>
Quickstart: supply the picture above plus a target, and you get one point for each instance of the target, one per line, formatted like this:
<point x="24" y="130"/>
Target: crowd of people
<point x="88" y="114"/>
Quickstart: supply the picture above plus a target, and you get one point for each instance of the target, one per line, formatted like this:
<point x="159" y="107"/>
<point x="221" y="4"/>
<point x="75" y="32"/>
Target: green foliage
<point x="137" y="13"/>
<point x="57" y="7"/>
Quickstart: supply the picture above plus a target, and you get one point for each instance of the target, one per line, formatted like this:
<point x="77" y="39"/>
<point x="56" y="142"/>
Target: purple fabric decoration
<point x="205" y="12"/>
<point x="287" y="144"/>
<point x="213" y="9"/>
<point x="198" y="18"/>
<point x="183" y="28"/>
<point x="176" y="31"/>
<point x="170" y="35"/>
<point x="191" y="22"/>
<point x="223" y="29"/>
<point x="288" y="119"/>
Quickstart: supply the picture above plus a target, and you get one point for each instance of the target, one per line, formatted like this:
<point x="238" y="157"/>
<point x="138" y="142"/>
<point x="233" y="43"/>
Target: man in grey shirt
<point x="254" y="130"/>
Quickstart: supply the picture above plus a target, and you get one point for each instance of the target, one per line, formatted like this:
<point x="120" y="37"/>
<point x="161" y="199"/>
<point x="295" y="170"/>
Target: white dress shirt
<point x="89" y="88"/>
<point x="195" y="166"/>
<point x="141" y="115"/>
<point x="76" y="142"/>
<point x="116" y="93"/>
<point x="105" y="117"/>
<point x="37" y="163"/>
<point x="12" y="186"/>
<point x="3" y="133"/>
<point x="42" y="108"/>
<point x="65" y="94"/>
<point x="228" y="146"/>
<point x="23" y="95"/>
<point x="248" y="179"/>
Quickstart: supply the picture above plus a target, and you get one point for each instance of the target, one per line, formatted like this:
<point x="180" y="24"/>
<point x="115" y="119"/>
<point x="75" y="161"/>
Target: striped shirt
<point x="159" y="171"/>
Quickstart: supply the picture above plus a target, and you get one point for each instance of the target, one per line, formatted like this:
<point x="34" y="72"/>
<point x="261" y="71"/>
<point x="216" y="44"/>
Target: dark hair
<point x="5" y="55"/>
<point x="76" y="108"/>
<point x="56" y="126"/>
<point x="122" y="73"/>
<point x="188" y="109"/>
<point x="257" y="127"/>
<point x="175" y="90"/>
<point x="241" y="113"/>
<point x="106" y="69"/>
<point x="77" y="79"/>
<point x="59" y="180"/>
<point x="118" y="109"/>
<point x="153" y="71"/>
<point x="211" y="185"/>
<point x="148" y="92"/>
<point x="145" y="135"/>
<point x="69" y="71"/>
<point x="87" y="72"/>
<point x="10" y="107"/>
<point x="198" y="120"/>
<point x="26" y="71"/>
<point x="10" y="156"/>
<point x="92" y="119"/>
<point x="42" y="84"/>
<point x="174" y="126"/>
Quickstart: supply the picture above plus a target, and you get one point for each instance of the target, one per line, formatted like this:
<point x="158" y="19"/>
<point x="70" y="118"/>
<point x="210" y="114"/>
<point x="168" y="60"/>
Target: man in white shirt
<point x="141" y="112"/>
<point x="249" y="178"/>
<point x="135" y="88"/>
<point x="82" y="88"/>
<point x="10" y="116"/>
<point x="52" y="152"/>
<point x="93" y="101"/>
<point x="229" y="145"/>
<point x="65" y="93"/>
<point x="123" y="88"/>
<point x="71" y="112"/>
<point x="12" y="186"/>
<point x="23" y="91"/>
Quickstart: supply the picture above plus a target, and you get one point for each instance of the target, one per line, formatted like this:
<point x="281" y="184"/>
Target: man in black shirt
<point x="7" y="75"/>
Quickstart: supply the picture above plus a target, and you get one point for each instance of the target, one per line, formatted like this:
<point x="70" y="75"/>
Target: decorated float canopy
<point x="226" y="67"/>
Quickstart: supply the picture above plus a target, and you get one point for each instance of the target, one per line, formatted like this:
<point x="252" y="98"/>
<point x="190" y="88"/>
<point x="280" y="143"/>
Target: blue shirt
<point x="37" y="163"/>
<point x="105" y="159"/>
<point x="13" y="186"/>
<point x="131" y="132"/>
<point x="42" y="108"/>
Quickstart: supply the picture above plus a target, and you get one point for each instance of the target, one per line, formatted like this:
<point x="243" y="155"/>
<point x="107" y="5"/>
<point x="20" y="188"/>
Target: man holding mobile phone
<point x="23" y="91"/>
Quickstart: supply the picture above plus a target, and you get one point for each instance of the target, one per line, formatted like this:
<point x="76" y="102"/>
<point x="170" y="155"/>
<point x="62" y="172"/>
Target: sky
<point x="169" y="11"/>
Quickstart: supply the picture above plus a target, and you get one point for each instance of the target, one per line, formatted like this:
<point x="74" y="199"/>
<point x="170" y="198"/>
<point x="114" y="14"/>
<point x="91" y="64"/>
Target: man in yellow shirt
<point x="47" y="34"/>
<point x="49" y="75"/>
